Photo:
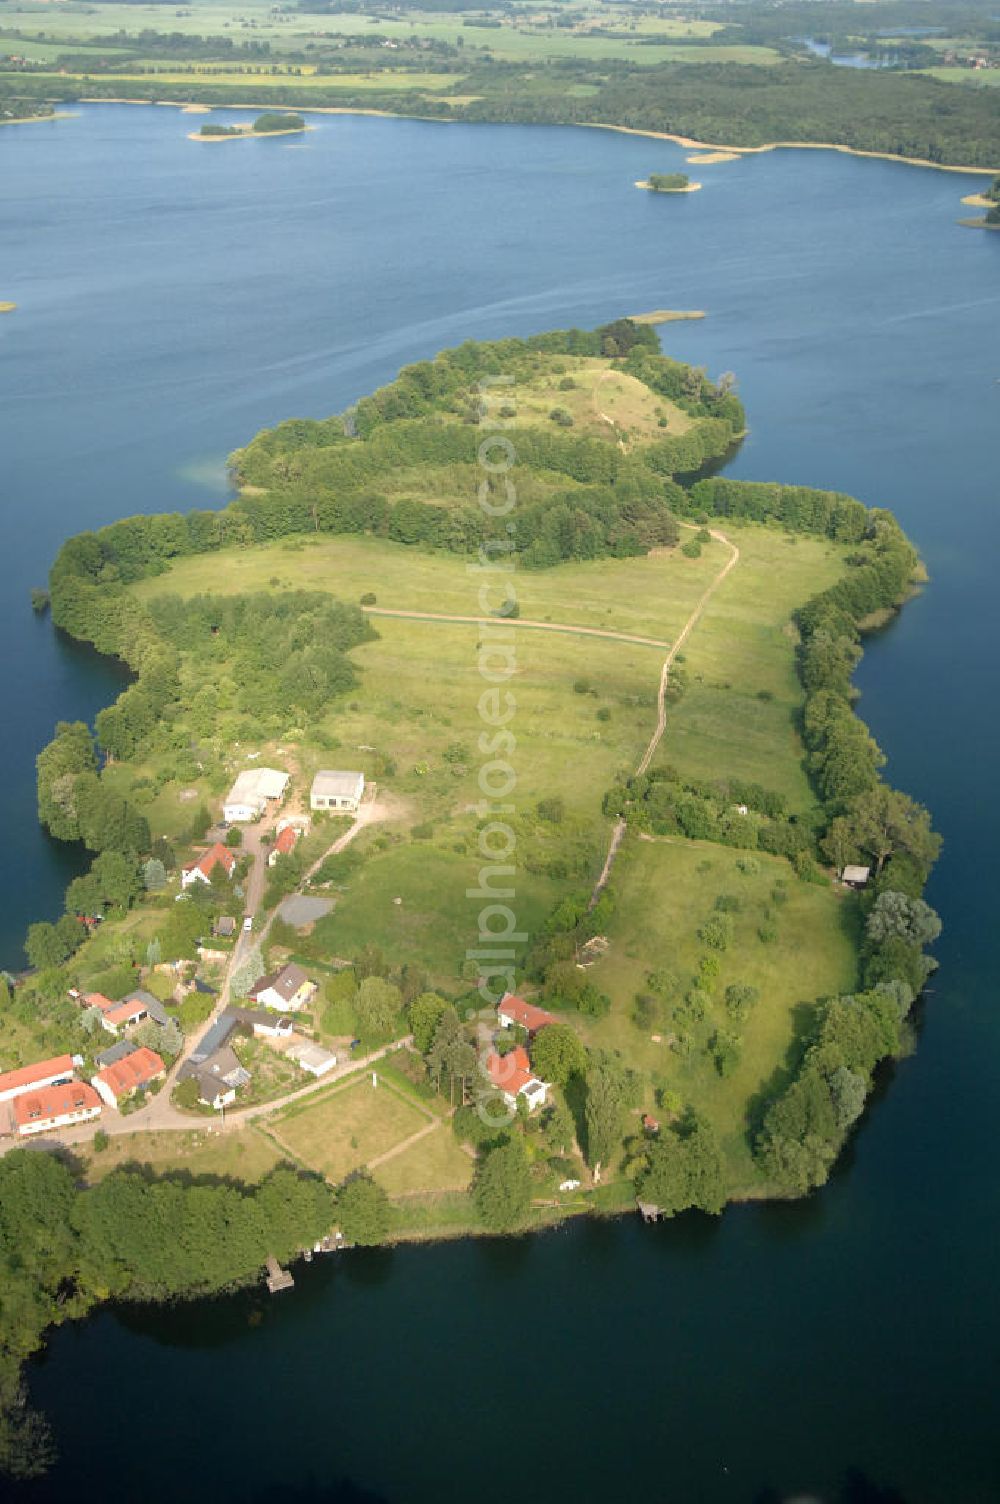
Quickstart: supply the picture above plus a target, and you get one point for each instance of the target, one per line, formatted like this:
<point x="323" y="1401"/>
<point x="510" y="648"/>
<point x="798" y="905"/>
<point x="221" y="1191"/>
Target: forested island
<point x="668" y="182"/>
<point x="720" y="926"/>
<point x="271" y="123"/>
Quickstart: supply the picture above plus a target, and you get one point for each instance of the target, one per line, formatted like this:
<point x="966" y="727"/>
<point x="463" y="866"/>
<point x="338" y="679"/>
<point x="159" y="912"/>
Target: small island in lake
<point x="7" y="307"/>
<point x="271" y="123"/>
<point x="668" y="182"/>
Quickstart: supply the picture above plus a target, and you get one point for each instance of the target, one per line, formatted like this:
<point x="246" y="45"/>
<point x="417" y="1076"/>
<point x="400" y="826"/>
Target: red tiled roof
<point x="215" y="856"/>
<point x="135" y="1070"/>
<point x="30" y="1075"/>
<point x="54" y="1102"/>
<point x="123" y="1013"/>
<point x="510" y="1072"/>
<point x="97" y="1000"/>
<point x="286" y="840"/>
<point x="525" y="1014"/>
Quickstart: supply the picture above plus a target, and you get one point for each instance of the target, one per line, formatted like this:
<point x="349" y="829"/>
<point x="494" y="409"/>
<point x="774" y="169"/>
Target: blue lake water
<point x="174" y="298"/>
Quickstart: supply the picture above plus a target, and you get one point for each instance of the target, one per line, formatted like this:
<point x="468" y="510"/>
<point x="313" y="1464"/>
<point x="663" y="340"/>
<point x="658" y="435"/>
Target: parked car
<point x="248" y="923"/>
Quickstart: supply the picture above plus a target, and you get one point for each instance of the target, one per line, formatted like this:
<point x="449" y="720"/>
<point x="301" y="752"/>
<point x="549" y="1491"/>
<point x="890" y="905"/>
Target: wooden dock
<point x="277" y="1278"/>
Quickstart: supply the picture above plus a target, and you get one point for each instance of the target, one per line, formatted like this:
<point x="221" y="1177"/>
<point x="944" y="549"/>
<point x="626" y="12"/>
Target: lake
<point x="172" y="301"/>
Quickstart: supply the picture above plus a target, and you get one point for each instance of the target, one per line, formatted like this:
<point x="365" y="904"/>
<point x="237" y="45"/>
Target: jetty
<point x="277" y="1278"/>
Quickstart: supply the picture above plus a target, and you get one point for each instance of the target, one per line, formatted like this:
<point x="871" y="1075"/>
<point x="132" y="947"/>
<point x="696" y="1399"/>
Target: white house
<point x="337" y="791"/>
<point x="56" y="1107"/>
<point x="512" y="1076"/>
<point x="856" y="877"/>
<point x="288" y="990"/>
<point x="253" y="791"/>
<point x="202" y="870"/>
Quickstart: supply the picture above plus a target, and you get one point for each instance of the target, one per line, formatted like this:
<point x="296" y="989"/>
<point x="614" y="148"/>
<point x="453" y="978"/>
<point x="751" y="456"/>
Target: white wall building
<point x="253" y="791"/>
<point x="337" y="791"/>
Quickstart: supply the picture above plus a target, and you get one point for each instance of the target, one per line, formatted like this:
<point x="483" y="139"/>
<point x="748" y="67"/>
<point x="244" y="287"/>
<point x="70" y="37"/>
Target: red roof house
<point x="285" y="842"/>
<point x="201" y="871"/>
<point x="43" y="1073"/>
<point x="56" y="1107"/>
<point x="512" y="1076"/>
<point x="513" y="1010"/>
<point x="127" y="1075"/>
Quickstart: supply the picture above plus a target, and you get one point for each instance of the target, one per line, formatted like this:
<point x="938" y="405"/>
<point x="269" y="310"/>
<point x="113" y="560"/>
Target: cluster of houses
<point x="257" y="790"/>
<point x="117" y="1017"/>
<point x="511" y="1073"/>
<point x="48" y="1094"/>
<point x="214" y="1065"/>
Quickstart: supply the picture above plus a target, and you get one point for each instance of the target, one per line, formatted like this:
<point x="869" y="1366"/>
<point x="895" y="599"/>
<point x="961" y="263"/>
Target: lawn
<point x="347" y="1127"/>
<point x="436" y="1163"/>
<point x="237" y="1153"/>
<point x="665" y="890"/>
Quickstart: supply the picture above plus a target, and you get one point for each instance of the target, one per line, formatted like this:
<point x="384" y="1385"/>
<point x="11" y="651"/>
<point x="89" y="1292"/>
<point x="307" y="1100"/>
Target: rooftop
<point x="525" y="1014"/>
<point x="257" y="783"/>
<point x="329" y="784"/>
<point x="42" y="1070"/>
<point x="134" y="1070"/>
<point x="286" y="983"/>
<point x="510" y="1073"/>
<point x="54" y="1102"/>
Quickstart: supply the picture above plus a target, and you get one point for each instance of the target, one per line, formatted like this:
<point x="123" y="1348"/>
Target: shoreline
<point x="744" y="151"/>
<point x="37" y="119"/>
<point x="667" y="315"/>
<point x="250" y="134"/>
<point x="590" y="125"/>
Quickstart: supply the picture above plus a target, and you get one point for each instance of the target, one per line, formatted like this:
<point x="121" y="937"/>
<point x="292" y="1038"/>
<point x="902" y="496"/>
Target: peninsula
<point x="666" y="972"/>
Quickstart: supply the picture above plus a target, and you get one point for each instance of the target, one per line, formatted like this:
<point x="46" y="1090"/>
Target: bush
<point x="369" y="598"/>
<point x="691" y="549"/>
<point x="100" y="1141"/>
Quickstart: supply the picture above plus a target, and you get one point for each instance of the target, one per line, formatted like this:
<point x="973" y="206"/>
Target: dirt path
<point x="618" y="833"/>
<point x="407" y="1143"/>
<point x="520" y="621"/>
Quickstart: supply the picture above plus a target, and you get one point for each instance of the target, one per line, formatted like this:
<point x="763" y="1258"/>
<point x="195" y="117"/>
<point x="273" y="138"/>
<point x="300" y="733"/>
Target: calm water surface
<point x="174" y="300"/>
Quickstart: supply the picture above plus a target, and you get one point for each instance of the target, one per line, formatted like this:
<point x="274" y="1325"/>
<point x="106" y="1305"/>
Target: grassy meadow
<point x="666" y="889"/>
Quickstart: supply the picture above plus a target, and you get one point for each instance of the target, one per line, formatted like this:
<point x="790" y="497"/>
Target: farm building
<point x="253" y="791"/>
<point x="337" y="791"/>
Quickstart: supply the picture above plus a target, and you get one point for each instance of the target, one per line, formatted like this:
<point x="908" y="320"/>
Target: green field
<point x="518" y="39"/>
<point x="665" y="890"/>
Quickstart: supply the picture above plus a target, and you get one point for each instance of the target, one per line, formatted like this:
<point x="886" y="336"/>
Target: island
<point x="7" y="307"/>
<point x="271" y="123"/>
<point x="668" y="182"/>
<point x="476" y="896"/>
